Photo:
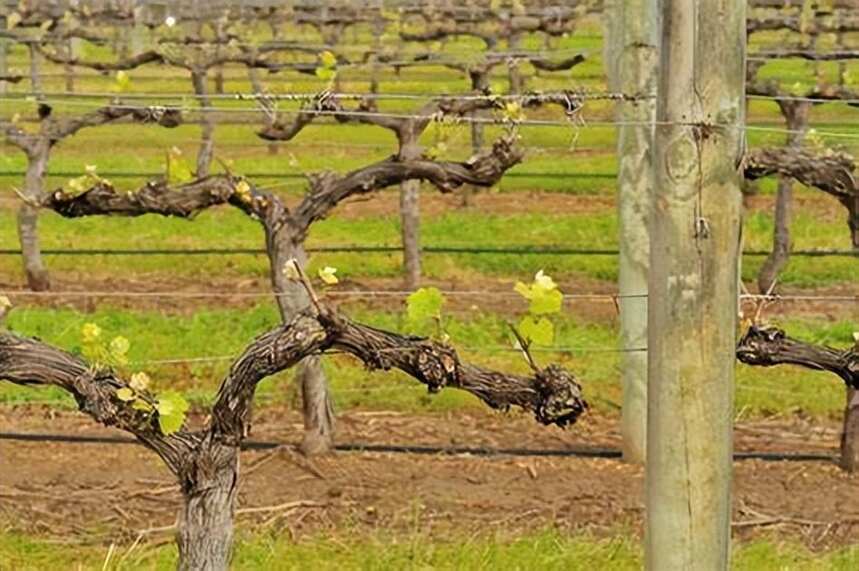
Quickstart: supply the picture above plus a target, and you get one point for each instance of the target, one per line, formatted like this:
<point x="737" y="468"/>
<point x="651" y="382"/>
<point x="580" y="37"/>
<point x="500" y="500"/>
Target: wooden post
<point x="632" y="30"/>
<point x="410" y="192"/>
<point x="694" y="263"/>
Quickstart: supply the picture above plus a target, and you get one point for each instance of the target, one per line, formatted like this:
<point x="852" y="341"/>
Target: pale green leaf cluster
<point x="123" y="82"/>
<point x="423" y="309"/>
<point x="178" y="169"/>
<point x="544" y="299"/>
<point x="102" y="353"/>
<point x="327" y="275"/>
<point x="327" y="68"/>
<point x="512" y="112"/>
<point x="441" y="131"/>
<point x="80" y="184"/>
<point x="170" y="406"/>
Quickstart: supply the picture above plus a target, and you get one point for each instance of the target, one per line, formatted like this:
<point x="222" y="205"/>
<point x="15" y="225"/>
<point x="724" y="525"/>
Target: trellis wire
<point x="264" y="294"/>
<point x="346" y="96"/>
<point x="846" y="100"/>
<point x="345" y="113"/>
<point x="465" y="348"/>
<point x="397" y="293"/>
<point x="298" y="176"/>
<point x="576" y="122"/>
<point x="386" y="249"/>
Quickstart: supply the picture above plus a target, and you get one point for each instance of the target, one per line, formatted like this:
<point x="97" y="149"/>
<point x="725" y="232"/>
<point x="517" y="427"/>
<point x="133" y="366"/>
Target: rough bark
<point x="850" y="433"/>
<point x="35" y="73"/>
<point x="28" y="219"/>
<point x="796" y="117"/>
<point x="769" y="346"/>
<point x="69" y="70"/>
<point x="830" y="171"/>
<point x="515" y="80"/>
<point x="778" y="257"/>
<point x="692" y="285"/>
<point x="207" y="130"/>
<point x="204" y="533"/>
<point x="632" y="55"/>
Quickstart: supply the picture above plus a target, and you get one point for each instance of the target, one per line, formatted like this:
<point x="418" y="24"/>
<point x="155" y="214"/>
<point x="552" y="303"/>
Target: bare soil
<point x="112" y="492"/>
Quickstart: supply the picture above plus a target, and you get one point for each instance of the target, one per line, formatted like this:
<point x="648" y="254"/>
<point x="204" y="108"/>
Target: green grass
<point x="228" y="228"/>
<point x="483" y="338"/>
<point x="548" y="550"/>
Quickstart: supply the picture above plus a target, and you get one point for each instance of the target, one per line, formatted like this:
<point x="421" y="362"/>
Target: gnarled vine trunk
<point x="207" y="130"/>
<point x="769" y="346"/>
<point x="850" y="432"/>
<point x="796" y="116"/>
<point x="283" y="243"/>
<point x="205" y="525"/>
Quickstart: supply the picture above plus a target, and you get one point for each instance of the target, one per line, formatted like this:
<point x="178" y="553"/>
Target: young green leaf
<point x="77" y="185"/>
<point x="326" y="274"/>
<point x="139" y="381"/>
<point x="90" y="332"/>
<point x="513" y="112"/>
<point x="544" y="295"/>
<point x="119" y="350"/>
<point x="140" y="404"/>
<point x="171" y="407"/>
<point x="123" y="81"/>
<point x="325" y="73"/>
<point x="125" y="394"/>
<point x="423" y="305"/>
<point x="328" y="59"/>
<point x="538" y="331"/>
<point x="178" y="171"/>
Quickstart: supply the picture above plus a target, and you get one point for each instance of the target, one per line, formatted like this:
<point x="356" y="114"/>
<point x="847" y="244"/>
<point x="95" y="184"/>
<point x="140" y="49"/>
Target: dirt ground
<point x="110" y="492"/>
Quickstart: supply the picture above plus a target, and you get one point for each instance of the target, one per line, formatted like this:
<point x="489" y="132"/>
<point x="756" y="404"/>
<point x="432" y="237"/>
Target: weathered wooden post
<point x="632" y="29"/>
<point x="692" y="310"/>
